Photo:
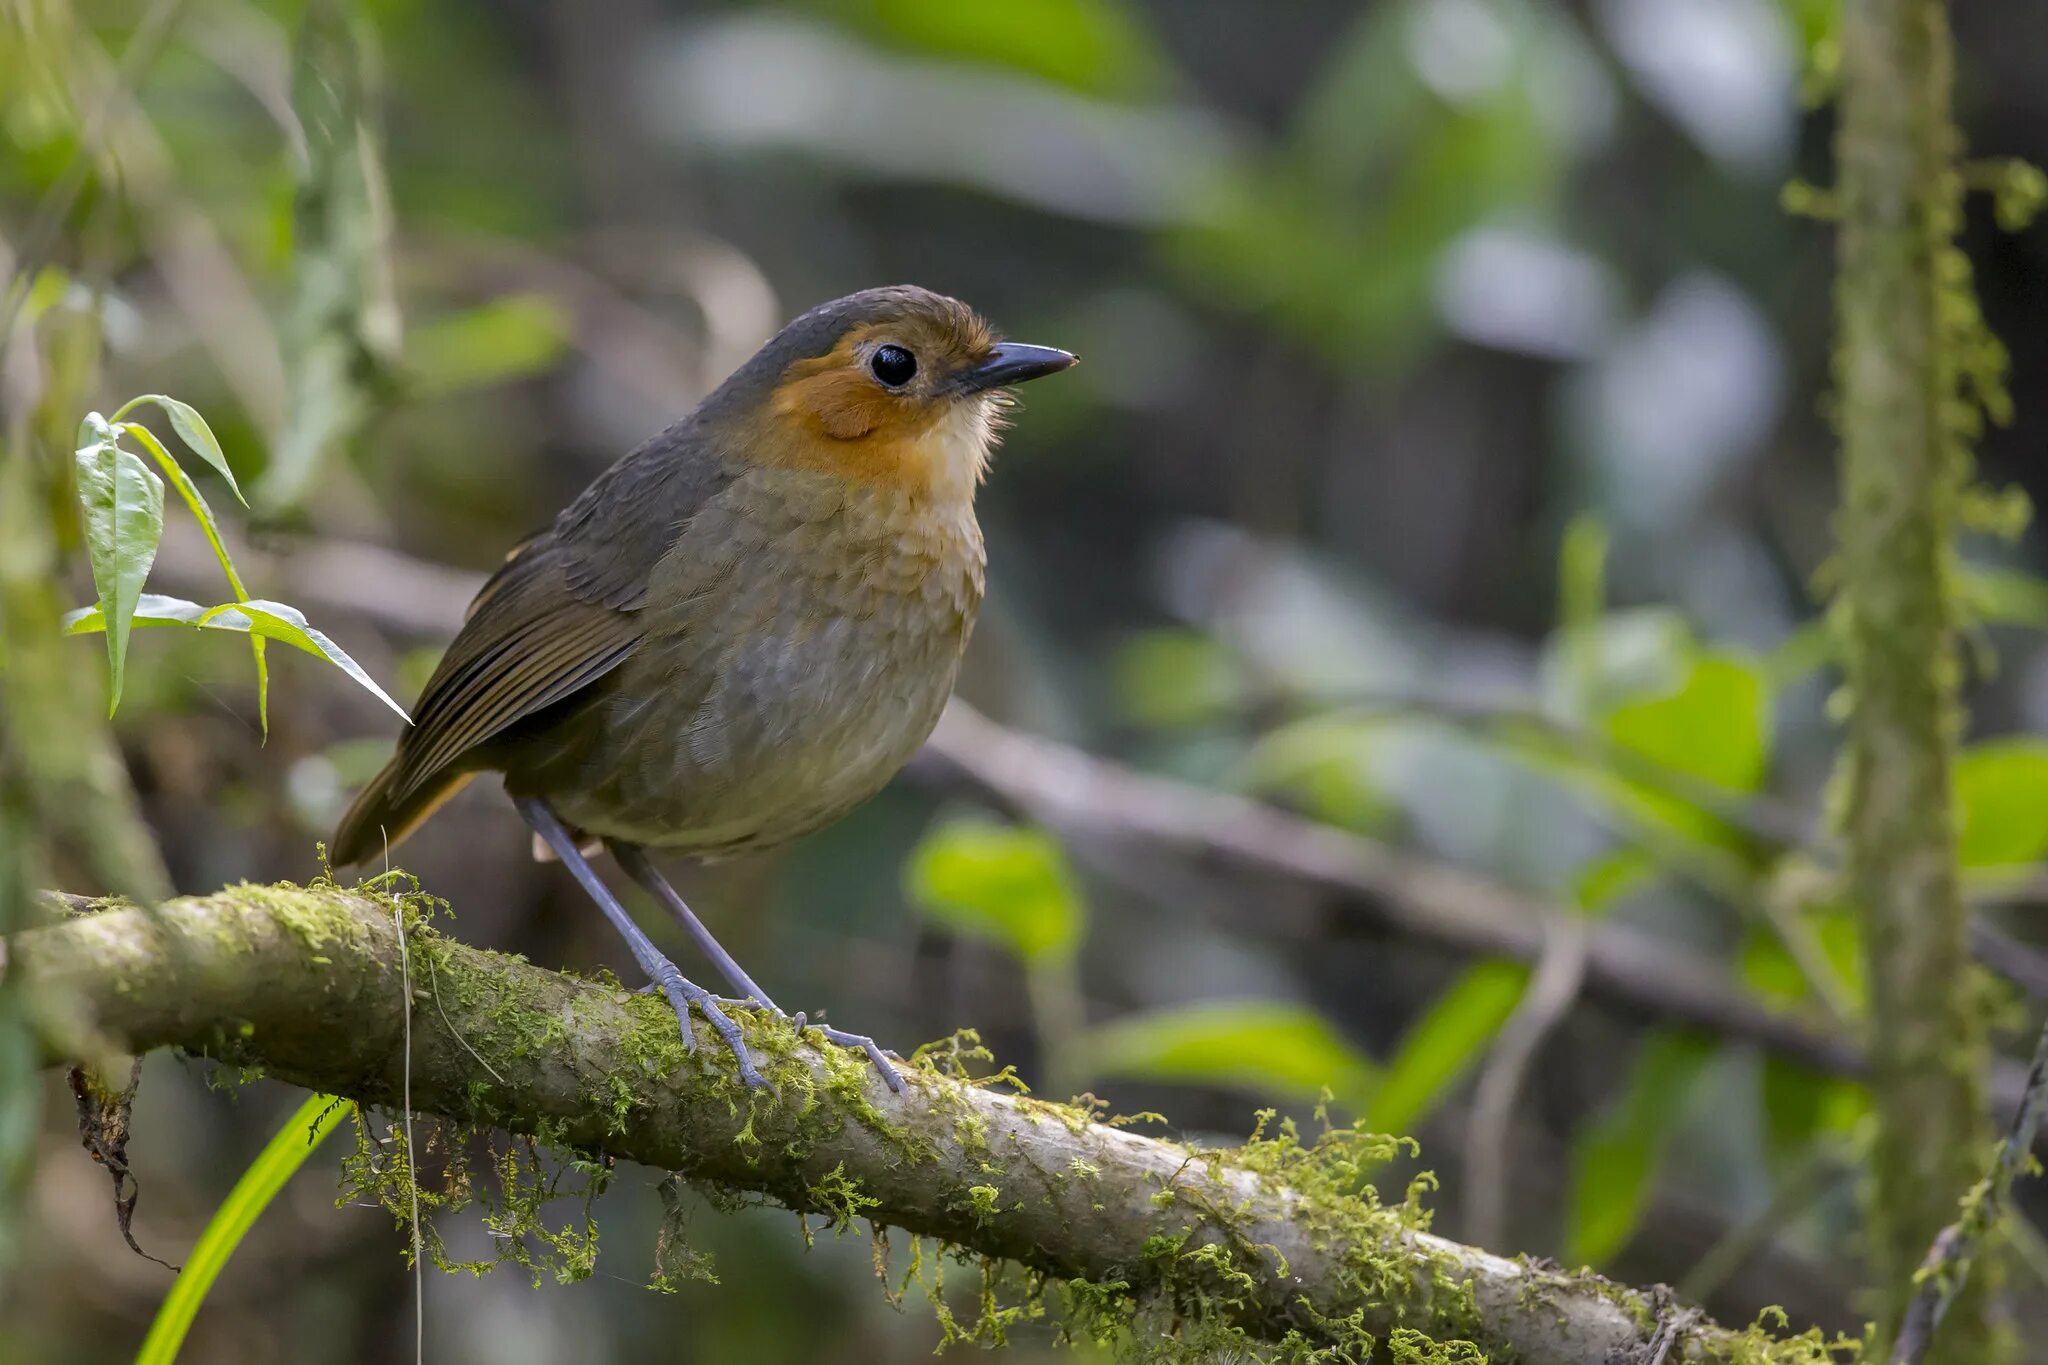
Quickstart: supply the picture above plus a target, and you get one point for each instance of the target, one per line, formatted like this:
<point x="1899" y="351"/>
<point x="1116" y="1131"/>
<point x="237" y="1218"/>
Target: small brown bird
<point x="740" y="631"/>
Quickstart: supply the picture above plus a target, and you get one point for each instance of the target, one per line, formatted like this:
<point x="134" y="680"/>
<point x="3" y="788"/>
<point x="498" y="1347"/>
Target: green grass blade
<point x="284" y="1154"/>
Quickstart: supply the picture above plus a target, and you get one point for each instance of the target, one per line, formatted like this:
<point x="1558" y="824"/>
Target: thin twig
<point x="1946" y="1269"/>
<point x="1555" y="985"/>
<point x="1671" y="1332"/>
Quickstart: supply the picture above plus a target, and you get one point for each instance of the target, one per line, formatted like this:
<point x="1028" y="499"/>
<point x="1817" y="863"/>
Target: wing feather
<point x="565" y="607"/>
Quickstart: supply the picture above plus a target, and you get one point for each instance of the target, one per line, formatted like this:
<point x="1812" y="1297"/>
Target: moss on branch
<point x="1918" y="372"/>
<point x="1281" y="1242"/>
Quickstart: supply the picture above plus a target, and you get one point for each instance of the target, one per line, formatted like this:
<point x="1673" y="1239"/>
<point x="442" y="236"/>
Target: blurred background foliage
<point x="1449" y="464"/>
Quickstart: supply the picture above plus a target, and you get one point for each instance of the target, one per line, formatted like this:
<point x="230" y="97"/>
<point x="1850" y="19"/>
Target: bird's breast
<point x="801" y="641"/>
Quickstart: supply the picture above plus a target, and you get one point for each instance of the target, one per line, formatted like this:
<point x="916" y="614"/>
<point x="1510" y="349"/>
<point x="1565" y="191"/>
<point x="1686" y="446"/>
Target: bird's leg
<point x="634" y="860"/>
<point x="681" y="992"/>
<point x="641" y="869"/>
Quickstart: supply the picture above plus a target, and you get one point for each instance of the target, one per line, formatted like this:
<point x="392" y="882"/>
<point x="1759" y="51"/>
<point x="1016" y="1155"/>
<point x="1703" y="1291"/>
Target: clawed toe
<point x="713" y="1008"/>
<point x="682" y="995"/>
<point x="875" y="1054"/>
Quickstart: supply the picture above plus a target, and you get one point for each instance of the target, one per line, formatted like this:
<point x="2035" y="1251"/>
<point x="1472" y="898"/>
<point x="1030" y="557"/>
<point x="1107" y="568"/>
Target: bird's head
<point x="895" y="387"/>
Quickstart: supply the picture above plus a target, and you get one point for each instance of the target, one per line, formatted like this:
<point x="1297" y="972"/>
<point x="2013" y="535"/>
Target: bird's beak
<point x="1013" y="362"/>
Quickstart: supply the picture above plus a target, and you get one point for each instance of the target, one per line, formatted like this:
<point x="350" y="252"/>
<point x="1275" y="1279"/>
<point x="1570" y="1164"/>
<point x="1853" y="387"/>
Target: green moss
<point x="1406" y="1346"/>
<point x="1203" y="1289"/>
<point x="675" y="1259"/>
<point x="525" y="1176"/>
<point x="840" y="1198"/>
<point x="1760" y="1344"/>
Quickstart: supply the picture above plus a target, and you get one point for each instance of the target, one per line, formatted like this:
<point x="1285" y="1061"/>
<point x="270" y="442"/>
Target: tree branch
<point x="307" y="984"/>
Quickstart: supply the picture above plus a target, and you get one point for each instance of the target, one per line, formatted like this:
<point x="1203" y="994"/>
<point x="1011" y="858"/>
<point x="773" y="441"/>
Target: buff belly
<point x="838" y="680"/>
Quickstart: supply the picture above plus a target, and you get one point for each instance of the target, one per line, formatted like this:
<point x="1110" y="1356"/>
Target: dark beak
<point x="1013" y="362"/>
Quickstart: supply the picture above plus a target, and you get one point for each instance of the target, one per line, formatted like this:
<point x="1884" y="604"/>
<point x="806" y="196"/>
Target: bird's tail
<point x="380" y="821"/>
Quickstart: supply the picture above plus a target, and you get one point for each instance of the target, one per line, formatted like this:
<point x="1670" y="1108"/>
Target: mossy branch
<point x="1918" y="371"/>
<point x="1275" y="1238"/>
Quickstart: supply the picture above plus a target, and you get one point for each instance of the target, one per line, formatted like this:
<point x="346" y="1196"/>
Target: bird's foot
<point x="840" y="1037"/>
<point x="682" y="994"/>
<point x="876" y="1056"/>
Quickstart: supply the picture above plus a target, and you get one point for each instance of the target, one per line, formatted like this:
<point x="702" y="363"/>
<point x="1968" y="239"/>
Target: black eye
<point x="893" y="365"/>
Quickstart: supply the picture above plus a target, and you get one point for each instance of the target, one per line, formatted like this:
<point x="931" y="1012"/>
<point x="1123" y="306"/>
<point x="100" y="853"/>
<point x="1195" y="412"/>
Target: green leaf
<point x="1714" y="726"/>
<point x="257" y="645"/>
<point x="1266" y="1046"/>
<point x="123" y="504"/>
<point x="277" y="621"/>
<point x="1606" y="879"/>
<point x="194" y="502"/>
<point x="1616" y="1155"/>
<point x="1097" y="46"/>
<point x="1324" y="763"/>
<point x="274" y="1165"/>
<point x="1441" y="1046"/>
<point x="2002" y="789"/>
<point x="203" y="514"/>
<point x="193" y="431"/>
<point x="151" y="609"/>
<point x="1004" y="883"/>
<point x="1800" y="1104"/>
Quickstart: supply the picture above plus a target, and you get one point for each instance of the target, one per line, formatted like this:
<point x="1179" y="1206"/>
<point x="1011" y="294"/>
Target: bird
<point x="738" y="632"/>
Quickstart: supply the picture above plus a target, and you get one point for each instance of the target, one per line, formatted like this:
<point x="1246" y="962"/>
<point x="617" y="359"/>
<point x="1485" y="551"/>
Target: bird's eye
<point x="893" y="365"/>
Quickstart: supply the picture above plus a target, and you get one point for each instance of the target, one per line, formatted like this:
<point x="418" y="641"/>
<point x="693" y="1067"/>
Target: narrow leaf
<point x="1445" y="1043"/>
<point x="151" y="609"/>
<point x="193" y="431"/>
<point x="257" y="644"/>
<point x="189" y="491"/>
<point x="203" y="514"/>
<point x="123" y="504"/>
<point x="1616" y="1156"/>
<point x="279" y="621"/>
<point x="274" y="1165"/>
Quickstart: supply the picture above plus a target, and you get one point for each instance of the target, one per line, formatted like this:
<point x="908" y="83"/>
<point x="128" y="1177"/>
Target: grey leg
<point x="634" y="860"/>
<point x="681" y="993"/>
